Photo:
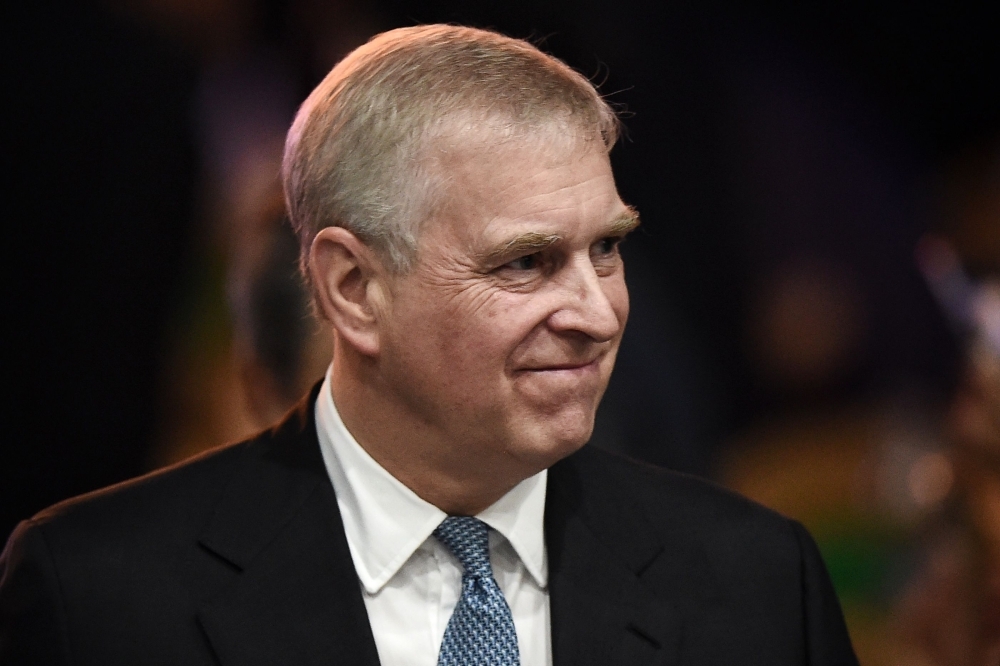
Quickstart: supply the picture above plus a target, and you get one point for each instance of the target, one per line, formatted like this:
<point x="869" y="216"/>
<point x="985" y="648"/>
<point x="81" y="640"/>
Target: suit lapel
<point x="599" y="546"/>
<point x="296" y="598"/>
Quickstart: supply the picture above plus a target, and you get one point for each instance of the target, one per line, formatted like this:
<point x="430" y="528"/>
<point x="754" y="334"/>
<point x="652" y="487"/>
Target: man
<point x="430" y="502"/>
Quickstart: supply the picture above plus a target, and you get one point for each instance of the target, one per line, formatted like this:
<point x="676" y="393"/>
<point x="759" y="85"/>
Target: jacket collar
<point x="602" y="550"/>
<point x="296" y="598"/>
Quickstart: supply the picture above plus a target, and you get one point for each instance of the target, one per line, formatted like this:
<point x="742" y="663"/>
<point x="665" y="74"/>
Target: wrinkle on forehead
<point x="461" y="140"/>
<point x="484" y="129"/>
<point x="469" y="164"/>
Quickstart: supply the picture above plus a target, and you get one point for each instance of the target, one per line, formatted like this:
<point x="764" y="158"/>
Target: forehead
<point x="543" y="184"/>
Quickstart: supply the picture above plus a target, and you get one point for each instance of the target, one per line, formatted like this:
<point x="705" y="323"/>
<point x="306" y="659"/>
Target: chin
<point x="555" y="439"/>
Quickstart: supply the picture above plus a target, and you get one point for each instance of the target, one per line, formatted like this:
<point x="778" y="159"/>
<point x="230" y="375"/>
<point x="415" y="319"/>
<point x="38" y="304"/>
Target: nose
<point x="592" y="305"/>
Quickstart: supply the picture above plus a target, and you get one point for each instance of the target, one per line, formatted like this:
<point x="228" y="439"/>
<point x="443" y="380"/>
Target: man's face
<point x="503" y="335"/>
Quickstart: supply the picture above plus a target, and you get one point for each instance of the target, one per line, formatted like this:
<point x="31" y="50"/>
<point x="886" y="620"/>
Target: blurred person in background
<point x="950" y="612"/>
<point x="281" y="347"/>
<point x="258" y="60"/>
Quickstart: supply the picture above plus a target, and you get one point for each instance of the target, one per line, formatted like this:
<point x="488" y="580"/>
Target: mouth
<point x="561" y="383"/>
<point x="569" y="368"/>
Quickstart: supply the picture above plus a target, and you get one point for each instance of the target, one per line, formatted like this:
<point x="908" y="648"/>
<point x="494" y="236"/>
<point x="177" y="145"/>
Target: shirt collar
<point x="519" y="516"/>
<point x="385" y="522"/>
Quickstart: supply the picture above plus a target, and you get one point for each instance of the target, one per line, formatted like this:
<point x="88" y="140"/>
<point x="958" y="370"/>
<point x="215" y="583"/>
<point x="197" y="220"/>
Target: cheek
<point x="494" y="342"/>
<point x="466" y="334"/>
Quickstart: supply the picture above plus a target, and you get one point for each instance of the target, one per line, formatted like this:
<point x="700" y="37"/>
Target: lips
<point x="572" y="365"/>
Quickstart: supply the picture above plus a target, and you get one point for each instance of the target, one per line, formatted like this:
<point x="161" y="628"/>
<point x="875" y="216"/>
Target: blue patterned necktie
<point x="481" y="629"/>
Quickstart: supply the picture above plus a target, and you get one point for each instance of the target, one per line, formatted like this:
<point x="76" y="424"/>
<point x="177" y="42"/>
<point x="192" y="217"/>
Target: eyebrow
<point x="624" y="222"/>
<point x="532" y="241"/>
<point x="527" y="243"/>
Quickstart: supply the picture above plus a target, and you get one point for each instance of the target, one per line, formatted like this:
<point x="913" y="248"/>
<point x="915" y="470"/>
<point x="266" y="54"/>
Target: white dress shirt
<point x="410" y="582"/>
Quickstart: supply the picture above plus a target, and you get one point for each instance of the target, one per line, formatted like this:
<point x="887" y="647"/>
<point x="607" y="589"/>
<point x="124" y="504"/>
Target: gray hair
<point x="356" y="155"/>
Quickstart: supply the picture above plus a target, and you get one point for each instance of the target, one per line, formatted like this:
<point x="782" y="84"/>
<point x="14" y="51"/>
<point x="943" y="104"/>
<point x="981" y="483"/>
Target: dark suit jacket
<point x="239" y="557"/>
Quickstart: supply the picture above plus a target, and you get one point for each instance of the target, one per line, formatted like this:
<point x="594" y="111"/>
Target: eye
<point x="526" y="263"/>
<point x="607" y="246"/>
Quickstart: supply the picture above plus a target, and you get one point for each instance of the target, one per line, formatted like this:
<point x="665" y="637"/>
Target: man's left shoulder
<point x="746" y="584"/>
<point x="682" y="506"/>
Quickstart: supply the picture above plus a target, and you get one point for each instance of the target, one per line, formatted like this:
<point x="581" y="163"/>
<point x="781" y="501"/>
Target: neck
<point x="457" y="478"/>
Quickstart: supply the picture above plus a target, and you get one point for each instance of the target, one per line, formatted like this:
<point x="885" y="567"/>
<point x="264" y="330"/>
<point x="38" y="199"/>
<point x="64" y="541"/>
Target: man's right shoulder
<point x="176" y="499"/>
<point x="124" y="571"/>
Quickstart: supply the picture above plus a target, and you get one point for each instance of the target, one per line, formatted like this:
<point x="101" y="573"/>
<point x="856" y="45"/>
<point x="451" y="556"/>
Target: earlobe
<point x="343" y="270"/>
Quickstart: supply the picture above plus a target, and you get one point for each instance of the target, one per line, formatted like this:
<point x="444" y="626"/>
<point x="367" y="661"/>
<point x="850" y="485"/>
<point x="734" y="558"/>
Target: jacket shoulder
<point x="174" y="499"/>
<point x="668" y="496"/>
<point x="685" y="511"/>
<point x="177" y="500"/>
<point x="81" y="574"/>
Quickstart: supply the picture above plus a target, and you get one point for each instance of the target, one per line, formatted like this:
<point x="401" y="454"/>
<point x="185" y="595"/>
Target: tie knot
<point x="469" y="540"/>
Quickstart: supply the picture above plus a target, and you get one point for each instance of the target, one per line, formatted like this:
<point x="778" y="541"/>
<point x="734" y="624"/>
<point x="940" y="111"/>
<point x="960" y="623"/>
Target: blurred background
<point x="816" y="305"/>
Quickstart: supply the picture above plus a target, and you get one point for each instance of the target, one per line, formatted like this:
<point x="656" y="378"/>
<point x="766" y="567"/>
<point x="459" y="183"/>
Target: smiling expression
<point x="503" y="335"/>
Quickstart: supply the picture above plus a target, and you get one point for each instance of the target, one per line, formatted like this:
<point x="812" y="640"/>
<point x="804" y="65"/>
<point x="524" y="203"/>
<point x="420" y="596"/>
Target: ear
<point x="347" y="278"/>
